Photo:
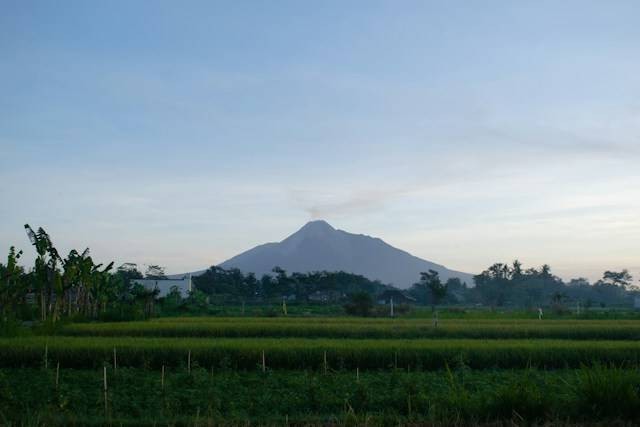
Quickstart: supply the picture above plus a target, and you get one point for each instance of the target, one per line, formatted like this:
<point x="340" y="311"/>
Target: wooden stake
<point x="57" y="375"/>
<point x="357" y="374"/>
<point x="264" y="365"/>
<point x="325" y="362"/>
<point x="46" y="356"/>
<point x="162" y="378"/>
<point x="115" y="360"/>
<point x="104" y="370"/>
<point x="189" y="362"/>
<point x="395" y="360"/>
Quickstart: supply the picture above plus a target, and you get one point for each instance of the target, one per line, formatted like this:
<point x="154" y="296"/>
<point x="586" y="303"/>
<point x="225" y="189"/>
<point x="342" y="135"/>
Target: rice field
<point x="200" y="397"/>
<point x="311" y="354"/>
<point x="329" y="371"/>
<point x="363" y="328"/>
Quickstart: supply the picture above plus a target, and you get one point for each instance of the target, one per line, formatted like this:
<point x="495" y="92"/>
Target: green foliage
<point x="360" y="304"/>
<point x="607" y="392"/>
<point x="232" y="286"/>
<point x="504" y="285"/>
<point x="135" y="397"/>
<point x="521" y="396"/>
<point x="73" y="287"/>
<point x="431" y="281"/>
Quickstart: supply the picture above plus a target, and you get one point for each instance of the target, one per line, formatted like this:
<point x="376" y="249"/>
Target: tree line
<point x="510" y="285"/>
<point x="75" y="286"/>
<point x="233" y="285"/>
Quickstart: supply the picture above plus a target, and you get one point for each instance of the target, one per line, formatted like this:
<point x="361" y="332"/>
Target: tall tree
<point x="437" y="289"/>
<point x="155" y="272"/>
<point x="618" y="278"/>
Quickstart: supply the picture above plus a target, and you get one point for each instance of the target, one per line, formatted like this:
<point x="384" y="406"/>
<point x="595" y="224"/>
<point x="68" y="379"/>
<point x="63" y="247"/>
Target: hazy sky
<point x="181" y="133"/>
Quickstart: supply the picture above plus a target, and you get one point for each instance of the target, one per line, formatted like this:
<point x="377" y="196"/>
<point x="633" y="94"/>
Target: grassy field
<point x="329" y="371"/>
<point x="363" y="328"/>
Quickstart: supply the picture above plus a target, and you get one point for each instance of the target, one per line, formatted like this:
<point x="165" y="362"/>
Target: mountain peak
<point x="319" y="225"/>
<point x="317" y="246"/>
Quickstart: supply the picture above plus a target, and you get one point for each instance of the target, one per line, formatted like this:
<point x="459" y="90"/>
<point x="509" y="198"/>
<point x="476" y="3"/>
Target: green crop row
<point x="304" y="353"/>
<point x="363" y="328"/>
<point x="459" y="397"/>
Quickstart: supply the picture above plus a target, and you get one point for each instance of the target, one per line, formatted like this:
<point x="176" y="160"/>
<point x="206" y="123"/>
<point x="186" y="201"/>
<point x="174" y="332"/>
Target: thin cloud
<point x="562" y="143"/>
<point x="332" y="205"/>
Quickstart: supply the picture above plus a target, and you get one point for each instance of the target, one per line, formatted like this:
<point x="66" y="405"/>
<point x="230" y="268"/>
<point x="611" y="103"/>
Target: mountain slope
<point x="318" y="246"/>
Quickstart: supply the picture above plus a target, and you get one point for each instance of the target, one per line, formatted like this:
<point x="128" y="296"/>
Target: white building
<point x="165" y="285"/>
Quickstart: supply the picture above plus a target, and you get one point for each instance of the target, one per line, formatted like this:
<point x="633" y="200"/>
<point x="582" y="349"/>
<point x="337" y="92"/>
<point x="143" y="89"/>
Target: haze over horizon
<point x="182" y="135"/>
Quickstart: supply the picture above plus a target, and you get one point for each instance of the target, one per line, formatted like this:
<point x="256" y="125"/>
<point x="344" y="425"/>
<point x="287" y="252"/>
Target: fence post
<point x="264" y="366"/>
<point x="104" y="370"/>
<point x="115" y="360"/>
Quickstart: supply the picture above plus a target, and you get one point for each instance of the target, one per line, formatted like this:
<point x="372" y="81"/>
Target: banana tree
<point x="83" y="297"/>
<point x="102" y="290"/>
<point x="11" y="289"/>
<point x="76" y="277"/>
<point x="70" y="279"/>
<point x="45" y="267"/>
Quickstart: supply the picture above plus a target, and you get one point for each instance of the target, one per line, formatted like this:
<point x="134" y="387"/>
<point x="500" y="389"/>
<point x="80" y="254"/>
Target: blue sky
<point x="181" y="133"/>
